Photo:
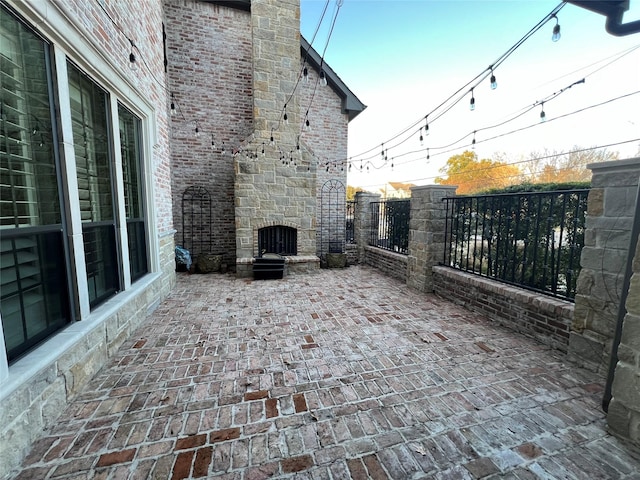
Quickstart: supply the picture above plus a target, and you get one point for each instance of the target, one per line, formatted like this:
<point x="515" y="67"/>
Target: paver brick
<point x="396" y="384"/>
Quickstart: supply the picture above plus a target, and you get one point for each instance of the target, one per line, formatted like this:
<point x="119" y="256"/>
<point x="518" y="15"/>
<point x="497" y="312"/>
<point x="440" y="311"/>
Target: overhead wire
<point x="465" y="88"/>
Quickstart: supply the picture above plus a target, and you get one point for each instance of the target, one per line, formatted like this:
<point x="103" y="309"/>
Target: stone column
<point x="624" y="409"/>
<point x="362" y="221"/>
<point x="610" y="215"/>
<point x="426" y="234"/>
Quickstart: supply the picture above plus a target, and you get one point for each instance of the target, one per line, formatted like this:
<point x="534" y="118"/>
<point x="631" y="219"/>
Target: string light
<point x="271" y="139"/>
<point x="222" y="149"/>
<point x="263" y="153"/>
<point x="543" y="116"/>
<point x="556" y="30"/>
<point x="472" y="102"/>
<point x="197" y="130"/>
<point x="172" y="110"/>
<point x="323" y="78"/>
<point x="132" y="56"/>
<point x="285" y="117"/>
<point x="305" y="74"/>
<point x="426" y="127"/>
<point x="473" y="142"/>
<point x="213" y="143"/>
<point x="421" y="137"/>
<point x="494" y="83"/>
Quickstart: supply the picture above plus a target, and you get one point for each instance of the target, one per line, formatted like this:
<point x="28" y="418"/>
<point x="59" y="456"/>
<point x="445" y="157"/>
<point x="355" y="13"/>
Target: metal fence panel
<point x="532" y="240"/>
<point x="390" y="225"/>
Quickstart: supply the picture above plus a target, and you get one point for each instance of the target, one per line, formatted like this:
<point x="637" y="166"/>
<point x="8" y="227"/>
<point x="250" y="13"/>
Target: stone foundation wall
<point x="71" y="358"/>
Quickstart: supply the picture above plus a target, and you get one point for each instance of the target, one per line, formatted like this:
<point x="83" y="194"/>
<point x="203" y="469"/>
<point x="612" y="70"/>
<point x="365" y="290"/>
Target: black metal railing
<point x="532" y="240"/>
<point x="350" y="227"/>
<point x="390" y="225"/>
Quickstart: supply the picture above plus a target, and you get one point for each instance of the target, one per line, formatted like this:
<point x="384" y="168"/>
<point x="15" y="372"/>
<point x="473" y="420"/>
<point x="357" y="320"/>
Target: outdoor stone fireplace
<point x="275" y="181"/>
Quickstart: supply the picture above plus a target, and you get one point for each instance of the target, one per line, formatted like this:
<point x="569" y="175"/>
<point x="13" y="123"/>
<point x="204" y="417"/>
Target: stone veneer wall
<point x="610" y="214"/>
<point x="209" y="71"/>
<point x="623" y="416"/>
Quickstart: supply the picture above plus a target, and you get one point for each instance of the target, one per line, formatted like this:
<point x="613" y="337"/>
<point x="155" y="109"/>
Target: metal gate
<point x="196" y="220"/>
<point x="333" y="200"/>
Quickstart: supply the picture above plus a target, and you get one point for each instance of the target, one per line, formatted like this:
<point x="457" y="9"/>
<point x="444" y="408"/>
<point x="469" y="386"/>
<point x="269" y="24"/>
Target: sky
<point x="404" y="58"/>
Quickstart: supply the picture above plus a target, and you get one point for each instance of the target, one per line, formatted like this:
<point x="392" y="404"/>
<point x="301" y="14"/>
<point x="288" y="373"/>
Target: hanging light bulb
<point x="428" y="156"/>
<point x="472" y="102"/>
<point x="556" y="31"/>
<point x="132" y="56"/>
<point x="263" y="154"/>
<point x="494" y="83"/>
<point x="421" y="138"/>
<point x="307" y="124"/>
<point x="285" y="117"/>
<point x="543" y="116"/>
<point x="172" y="111"/>
<point x="305" y="74"/>
<point x="222" y="149"/>
<point x="197" y="131"/>
<point x="382" y="152"/>
<point x="213" y="143"/>
<point x="426" y="126"/>
<point x="473" y="142"/>
<point x="323" y="78"/>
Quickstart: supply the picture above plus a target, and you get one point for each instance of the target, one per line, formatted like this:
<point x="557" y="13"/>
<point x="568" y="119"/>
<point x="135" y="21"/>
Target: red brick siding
<point x="390" y="263"/>
<point x="210" y="72"/>
<point x="327" y="136"/>
<point x="546" y="319"/>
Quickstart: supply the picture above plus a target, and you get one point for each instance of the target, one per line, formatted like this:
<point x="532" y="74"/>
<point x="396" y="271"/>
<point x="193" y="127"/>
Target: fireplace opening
<point x="278" y="239"/>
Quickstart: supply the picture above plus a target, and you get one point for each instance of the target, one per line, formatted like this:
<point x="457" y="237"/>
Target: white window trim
<point x="71" y="42"/>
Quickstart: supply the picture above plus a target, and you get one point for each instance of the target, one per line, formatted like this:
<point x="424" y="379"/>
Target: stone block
<point x="595" y="202"/>
<point x="336" y="260"/>
<point x="620" y="202"/>
<point x="626" y="385"/>
<point x="618" y="418"/>
<point x="633" y="297"/>
<point x="631" y="332"/>
<point x="208" y="263"/>
<point x="586" y="348"/>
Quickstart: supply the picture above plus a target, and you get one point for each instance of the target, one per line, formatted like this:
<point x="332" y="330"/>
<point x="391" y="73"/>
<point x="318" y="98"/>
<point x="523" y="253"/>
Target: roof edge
<point x="237" y="4"/>
<point x="351" y="104"/>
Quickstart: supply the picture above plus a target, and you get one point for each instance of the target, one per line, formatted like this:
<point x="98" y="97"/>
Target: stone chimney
<point x="269" y="193"/>
<point x="275" y="28"/>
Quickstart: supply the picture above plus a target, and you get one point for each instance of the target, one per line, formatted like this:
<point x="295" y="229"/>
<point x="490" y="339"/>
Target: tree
<point x="554" y="167"/>
<point x="472" y="175"/>
<point x="351" y="192"/>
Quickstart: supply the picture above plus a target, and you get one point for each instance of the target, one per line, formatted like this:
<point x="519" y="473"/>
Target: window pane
<point x="89" y="115"/>
<point x="90" y="119"/>
<point x="34" y="295"/>
<point x="133" y="195"/>
<point x="102" y="262"/>
<point x="33" y="283"/>
<point x="28" y="183"/>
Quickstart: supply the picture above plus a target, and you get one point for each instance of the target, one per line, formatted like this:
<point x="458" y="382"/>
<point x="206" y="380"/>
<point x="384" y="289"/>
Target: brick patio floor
<point x="341" y="374"/>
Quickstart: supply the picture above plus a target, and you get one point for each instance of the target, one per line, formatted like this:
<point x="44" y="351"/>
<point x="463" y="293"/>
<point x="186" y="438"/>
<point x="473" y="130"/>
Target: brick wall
<point x="390" y="263"/>
<point x="40" y="384"/>
<point x="542" y="317"/>
<point x="209" y="54"/>
<point x="327" y="141"/>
